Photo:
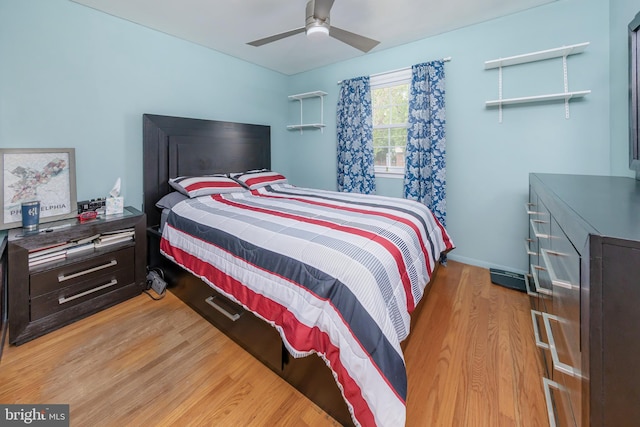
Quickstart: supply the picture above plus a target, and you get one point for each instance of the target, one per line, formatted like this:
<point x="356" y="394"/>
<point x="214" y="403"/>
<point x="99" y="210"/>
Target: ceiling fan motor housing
<point x="313" y="21"/>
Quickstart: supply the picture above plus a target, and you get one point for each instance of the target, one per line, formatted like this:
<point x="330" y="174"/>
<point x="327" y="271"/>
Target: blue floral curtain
<point x="356" y="172"/>
<point x="425" y="174"/>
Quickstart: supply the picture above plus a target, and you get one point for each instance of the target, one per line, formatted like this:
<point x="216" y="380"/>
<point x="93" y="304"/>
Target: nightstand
<point x="44" y="296"/>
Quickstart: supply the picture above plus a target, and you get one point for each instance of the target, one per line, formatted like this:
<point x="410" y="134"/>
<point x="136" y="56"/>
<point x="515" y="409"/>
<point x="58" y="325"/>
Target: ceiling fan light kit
<point x="317" y="27"/>
<point x="317" y="32"/>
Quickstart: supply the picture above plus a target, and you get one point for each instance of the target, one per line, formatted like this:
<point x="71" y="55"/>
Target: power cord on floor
<point x="156" y="281"/>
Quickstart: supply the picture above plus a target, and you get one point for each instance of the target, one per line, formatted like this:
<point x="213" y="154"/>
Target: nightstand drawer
<point x="81" y="292"/>
<point x="90" y="270"/>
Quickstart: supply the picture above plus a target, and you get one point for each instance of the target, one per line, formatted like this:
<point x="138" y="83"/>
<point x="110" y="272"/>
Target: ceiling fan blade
<point x="362" y="43"/>
<point x="270" y="39"/>
<point x="322" y="8"/>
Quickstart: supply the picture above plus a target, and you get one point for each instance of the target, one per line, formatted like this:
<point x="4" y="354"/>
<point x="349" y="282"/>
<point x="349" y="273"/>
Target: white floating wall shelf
<point x="300" y="97"/>
<point x="538" y="98"/>
<point x="541" y="55"/>
<point x="560" y="52"/>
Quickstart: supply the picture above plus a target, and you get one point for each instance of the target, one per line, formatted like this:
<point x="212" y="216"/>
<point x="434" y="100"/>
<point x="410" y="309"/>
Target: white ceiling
<point x="227" y="25"/>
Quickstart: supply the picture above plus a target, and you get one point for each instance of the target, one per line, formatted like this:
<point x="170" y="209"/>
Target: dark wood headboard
<point x="176" y="146"/>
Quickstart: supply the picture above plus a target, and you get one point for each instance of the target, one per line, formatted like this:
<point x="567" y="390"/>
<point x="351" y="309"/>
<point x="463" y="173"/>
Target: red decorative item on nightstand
<point x="88" y="215"/>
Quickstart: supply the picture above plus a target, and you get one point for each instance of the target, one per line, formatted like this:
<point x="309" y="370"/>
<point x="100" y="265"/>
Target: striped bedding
<point x="337" y="274"/>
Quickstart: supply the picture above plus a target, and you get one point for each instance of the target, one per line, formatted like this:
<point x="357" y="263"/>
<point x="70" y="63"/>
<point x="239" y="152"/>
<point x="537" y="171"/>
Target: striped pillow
<point x="195" y="186"/>
<point x="260" y="178"/>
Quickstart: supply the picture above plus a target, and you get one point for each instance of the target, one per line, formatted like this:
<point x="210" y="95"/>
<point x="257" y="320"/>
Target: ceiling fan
<point x="317" y="25"/>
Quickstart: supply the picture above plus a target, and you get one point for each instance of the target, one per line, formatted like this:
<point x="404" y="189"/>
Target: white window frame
<point x="379" y="81"/>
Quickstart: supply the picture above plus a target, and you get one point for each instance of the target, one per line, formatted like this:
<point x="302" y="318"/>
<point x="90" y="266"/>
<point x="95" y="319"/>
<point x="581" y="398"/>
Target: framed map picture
<point x="47" y="175"/>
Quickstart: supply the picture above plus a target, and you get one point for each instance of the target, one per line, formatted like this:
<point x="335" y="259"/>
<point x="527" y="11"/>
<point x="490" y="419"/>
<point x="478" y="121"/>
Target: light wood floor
<point x="471" y="361"/>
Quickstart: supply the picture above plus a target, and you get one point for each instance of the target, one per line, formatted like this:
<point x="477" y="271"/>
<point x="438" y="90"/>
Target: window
<point x="390" y="104"/>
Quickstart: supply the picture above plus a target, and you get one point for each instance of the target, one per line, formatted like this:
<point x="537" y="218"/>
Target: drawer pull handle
<point x="548" y="385"/>
<point x="538" y="234"/>
<point x="63" y="300"/>
<point x="528" y="286"/>
<point x="557" y="364"/>
<point x="528" y="207"/>
<point x="527" y="245"/>
<point x="546" y="253"/>
<point x="536" y="330"/>
<point x="62" y="277"/>
<point x="222" y="310"/>
<point x="536" y="283"/>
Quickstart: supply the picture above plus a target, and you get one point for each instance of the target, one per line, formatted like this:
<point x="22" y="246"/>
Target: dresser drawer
<point x="540" y="238"/>
<point x="91" y="270"/>
<point x="563" y="265"/>
<point x="558" y="408"/>
<point x="565" y="271"/>
<point x="80" y="292"/>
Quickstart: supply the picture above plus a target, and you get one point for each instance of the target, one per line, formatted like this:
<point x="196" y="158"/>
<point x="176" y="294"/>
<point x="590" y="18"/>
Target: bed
<point x="317" y="285"/>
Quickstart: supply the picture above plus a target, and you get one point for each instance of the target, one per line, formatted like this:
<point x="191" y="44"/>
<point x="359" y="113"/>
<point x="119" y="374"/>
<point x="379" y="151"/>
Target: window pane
<point x="381" y="116"/>
<point x="398" y="142"/>
<point x="400" y="103"/>
<point x="398" y="137"/>
<point x="381" y="137"/>
<point x="380" y="154"/>
<point x="400" y="113"/>
<point x="397" y="157"/>
<point x="379" y="96"/>
<point x="381" y="107"/>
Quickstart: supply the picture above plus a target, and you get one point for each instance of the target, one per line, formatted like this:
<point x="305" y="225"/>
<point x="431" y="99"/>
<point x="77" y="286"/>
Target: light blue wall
<point x="74" y="77"/>
<point x="71" y="76"/>
<point x="488" y="162"/>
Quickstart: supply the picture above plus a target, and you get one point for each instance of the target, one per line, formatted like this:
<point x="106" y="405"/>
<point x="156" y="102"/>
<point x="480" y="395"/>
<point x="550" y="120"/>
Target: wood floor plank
<point x="471" y="361"/>
<point x="508" y="356"/>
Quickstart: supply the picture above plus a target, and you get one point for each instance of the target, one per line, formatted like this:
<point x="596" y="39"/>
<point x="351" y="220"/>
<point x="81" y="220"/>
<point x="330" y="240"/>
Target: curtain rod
<point x="447" y="59"/>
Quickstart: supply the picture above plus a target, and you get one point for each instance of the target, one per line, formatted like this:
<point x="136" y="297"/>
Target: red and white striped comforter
<point x="337" y="274"/>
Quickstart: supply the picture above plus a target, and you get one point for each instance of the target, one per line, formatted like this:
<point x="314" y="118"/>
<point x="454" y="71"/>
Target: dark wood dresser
<point x="44" y="296"/>
<point x="584" y="254"/>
